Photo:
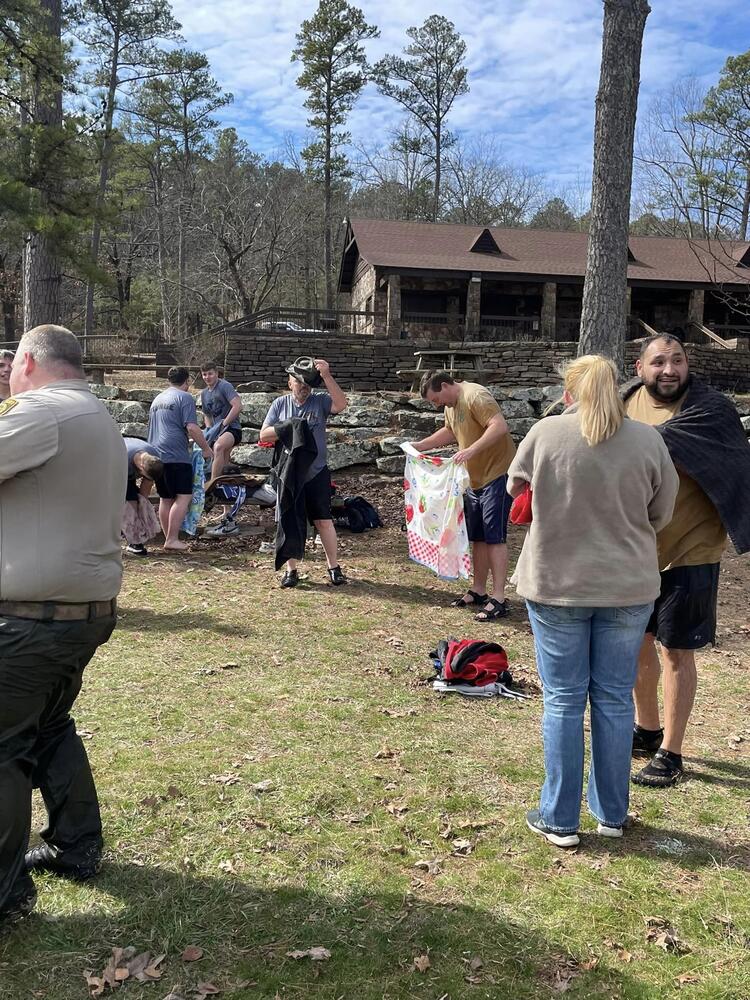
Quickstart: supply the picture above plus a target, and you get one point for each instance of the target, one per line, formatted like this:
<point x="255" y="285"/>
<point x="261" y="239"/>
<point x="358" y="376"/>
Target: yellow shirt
<point x="468" y="420"/>
<point x="695" y="535"/>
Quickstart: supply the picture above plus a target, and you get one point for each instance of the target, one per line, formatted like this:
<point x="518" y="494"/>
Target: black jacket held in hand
<point x="293" y="455"/>
<point x="707" y="442"/>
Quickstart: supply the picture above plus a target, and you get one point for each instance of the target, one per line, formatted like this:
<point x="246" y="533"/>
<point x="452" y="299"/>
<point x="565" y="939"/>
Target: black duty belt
<point x="49" y="611"/>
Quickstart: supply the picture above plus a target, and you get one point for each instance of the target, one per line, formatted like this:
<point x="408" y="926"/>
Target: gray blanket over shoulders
<point x="707" y="442"/>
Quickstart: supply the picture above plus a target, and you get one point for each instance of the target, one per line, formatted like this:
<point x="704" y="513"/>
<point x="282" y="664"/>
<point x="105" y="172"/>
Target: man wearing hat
<point x="306" y="374"/>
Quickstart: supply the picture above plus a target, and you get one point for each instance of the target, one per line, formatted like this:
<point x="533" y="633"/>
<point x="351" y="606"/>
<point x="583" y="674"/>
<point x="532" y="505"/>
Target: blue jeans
<point x="587" y="654"/>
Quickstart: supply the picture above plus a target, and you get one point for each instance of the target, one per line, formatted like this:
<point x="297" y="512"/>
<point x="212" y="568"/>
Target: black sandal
<point x="499" y="609"/>
<point x="290" y="578"/>
<point x="475" y="599"/>
<point x="662" y="771"/>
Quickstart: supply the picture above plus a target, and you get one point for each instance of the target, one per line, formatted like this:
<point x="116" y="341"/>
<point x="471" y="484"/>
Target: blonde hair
<point x="592" y="382"/>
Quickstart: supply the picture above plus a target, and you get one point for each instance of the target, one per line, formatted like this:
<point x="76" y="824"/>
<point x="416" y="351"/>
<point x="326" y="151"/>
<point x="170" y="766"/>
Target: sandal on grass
<point x="497" y="609"/>
<point x="663" y="771"/>
<point x="475" y="599"/>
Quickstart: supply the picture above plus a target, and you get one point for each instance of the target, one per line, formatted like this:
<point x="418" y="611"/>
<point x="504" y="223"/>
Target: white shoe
<point x="225" y="529"/>
<point x="615" y="832"/>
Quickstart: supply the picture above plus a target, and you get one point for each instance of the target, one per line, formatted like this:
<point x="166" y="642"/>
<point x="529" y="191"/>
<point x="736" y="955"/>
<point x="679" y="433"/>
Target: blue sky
<point x="533" y="68"/>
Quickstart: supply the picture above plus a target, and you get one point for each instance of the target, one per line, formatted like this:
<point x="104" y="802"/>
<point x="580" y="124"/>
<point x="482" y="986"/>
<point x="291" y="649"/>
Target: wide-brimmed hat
<point x="304" y="370"/>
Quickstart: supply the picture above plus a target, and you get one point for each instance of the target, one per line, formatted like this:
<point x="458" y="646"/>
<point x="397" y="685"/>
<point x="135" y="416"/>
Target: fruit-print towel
<point x="435" y="524"/>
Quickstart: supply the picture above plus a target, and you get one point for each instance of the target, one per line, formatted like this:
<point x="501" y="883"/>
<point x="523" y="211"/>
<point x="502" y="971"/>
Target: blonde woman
<point x="602" y="485"/>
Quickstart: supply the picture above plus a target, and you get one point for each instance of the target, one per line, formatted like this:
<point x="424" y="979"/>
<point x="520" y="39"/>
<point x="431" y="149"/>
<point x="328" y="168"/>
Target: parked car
<point x="286" y="326"/>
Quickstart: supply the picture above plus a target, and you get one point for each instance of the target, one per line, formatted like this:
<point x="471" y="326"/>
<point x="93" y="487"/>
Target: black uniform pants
<point x="41" y="670"/>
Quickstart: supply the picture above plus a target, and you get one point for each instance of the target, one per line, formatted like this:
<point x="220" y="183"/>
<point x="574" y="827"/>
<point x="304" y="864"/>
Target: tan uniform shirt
<point x="468" y="421"/>
<point x="596" y="511"/>
<point x="695" y="535"/>
<point x="63" y="468"/>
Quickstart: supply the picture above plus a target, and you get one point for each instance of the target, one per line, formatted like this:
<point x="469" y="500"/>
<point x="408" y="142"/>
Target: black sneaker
<point x="290" y="578"/>
<point x="337" y="576"/>
<point x="136" y="550"/>
<point x="20" y="902"/>
<point x="45" y="858"/>
<point x="646" y="741"/>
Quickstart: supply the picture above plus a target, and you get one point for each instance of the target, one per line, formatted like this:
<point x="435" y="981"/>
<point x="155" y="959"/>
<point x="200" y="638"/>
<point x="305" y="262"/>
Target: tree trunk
<point x="41" y="269"/>
<point x="438" y="171"/>
<point x="745" y="207"/>
<point x="328" y="240"/>
<point x="96" y="229"/>
<point x="604" y="308"/>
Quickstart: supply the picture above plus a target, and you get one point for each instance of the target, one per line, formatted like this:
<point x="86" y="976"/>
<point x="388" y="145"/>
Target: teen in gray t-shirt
<point x="316" y="410"/>
<point x="170" y="413"/>
<point x="216" y="401"/>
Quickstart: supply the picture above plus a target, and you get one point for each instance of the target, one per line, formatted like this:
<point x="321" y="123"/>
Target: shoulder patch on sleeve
<point x="7" y="405"/>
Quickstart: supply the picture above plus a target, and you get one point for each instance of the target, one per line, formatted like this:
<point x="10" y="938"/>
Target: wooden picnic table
<point x="459" y="364"/>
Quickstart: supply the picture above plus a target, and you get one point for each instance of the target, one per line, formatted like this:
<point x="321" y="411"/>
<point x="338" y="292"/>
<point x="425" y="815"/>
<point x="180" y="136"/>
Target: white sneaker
<point x="615" y="832"/>
<point x="223" y="530"/>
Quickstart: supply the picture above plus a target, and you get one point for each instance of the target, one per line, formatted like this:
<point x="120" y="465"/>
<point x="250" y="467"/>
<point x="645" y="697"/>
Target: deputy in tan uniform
<point x="62" y="479"/>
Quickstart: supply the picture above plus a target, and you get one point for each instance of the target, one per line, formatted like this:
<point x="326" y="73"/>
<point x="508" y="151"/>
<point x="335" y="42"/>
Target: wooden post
<point x="472" y="323"/>
<point x="695" y="306"/>
<point x="393" y="307"/>
<point x="549" y="311"/>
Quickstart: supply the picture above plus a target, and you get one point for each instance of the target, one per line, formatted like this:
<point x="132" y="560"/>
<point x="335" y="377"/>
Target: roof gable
<point x="484" y="243"/>
<point x="744" y="257"/>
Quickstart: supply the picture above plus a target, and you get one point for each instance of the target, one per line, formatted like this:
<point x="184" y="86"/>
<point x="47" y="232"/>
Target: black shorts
<point x="177" y="480"/>
<point x="486" y="511"/>
<point x="235" y="432"/>
<point x="318" y="497"/>
<point x="684" y="615"/>
<point x="131" y="491"/>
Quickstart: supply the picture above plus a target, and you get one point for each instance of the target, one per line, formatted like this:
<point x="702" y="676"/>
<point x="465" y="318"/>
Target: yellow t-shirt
<point x="468" y="420"/>
<point x="695" y="535"/>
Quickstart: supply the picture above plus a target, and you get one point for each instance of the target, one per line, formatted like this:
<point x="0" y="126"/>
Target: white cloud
<point x="533" y="67"/>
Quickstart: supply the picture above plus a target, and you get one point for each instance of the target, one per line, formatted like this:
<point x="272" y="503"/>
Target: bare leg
<point x="680" y="684"/>
<point x="164" y="508"/>
<point x="328" y="537"/>
<point x="222" y="451"/>
<point x="497" y="558"/>
<point x="646" y="691"/>
<point x="177" y="514"/>
<point x="481" y="567"/>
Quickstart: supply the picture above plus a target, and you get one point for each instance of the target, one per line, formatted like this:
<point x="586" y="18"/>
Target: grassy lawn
<point x="275" y="775"/>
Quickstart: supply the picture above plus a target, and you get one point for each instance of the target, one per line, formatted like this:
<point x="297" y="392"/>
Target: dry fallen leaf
<point x="462" y="847"/>
<point x="665" y="937"/>
<point x="395" y="809"/>
<point x="316" y="953"/>
<point x="192" y="953"/>
<point x="476" y="963"/>
<point x="431" y="867"/>
<point x="225" y="779"/>
<point x="267" y="785"/>
<point x="687" y="979"/>
<point x="422" y="963"/>
<point x="207" y="989"/>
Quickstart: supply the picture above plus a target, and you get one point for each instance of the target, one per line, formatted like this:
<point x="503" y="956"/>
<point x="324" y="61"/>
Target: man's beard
<point x="666" y="392"/>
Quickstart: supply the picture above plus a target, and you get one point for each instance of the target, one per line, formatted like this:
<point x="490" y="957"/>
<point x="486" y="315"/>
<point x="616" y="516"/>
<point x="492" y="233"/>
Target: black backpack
<point x="358" y="515"/>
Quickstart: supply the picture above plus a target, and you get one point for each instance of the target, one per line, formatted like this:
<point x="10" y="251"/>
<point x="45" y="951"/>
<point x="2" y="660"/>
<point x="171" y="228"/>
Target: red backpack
<point x="471" y="661"/>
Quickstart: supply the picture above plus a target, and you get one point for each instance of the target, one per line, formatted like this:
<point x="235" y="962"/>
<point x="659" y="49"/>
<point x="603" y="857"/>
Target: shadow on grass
<point x="145" y="620"/>
<point x="691" y="850"/>
<point x="245" y="933"/>
<point x="732" y="775"/>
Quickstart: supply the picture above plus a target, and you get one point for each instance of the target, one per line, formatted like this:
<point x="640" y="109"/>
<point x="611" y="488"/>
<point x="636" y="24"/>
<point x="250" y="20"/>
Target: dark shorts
<point x="318" y="497"/>
<point x="684" y="615"/>
<point x="176" y="481"/>
<point x="131" y="491"/>
<point x="486" y="511"/>
<point x="235" y="432"/>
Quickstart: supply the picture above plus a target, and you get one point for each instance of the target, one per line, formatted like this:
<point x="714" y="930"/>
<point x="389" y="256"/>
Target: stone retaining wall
<point x="366" y="364"/>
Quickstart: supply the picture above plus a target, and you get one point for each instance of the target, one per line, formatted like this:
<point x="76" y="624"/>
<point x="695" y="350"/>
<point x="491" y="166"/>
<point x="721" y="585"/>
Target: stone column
<point x="393" y="307"/>
<point x="695" y="306"/>
<point x="549" y="311"/>
<point x="472" y="326"/>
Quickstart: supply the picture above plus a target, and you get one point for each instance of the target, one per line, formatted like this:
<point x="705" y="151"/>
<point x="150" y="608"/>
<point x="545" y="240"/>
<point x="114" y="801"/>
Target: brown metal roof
<point x="444" y="247"/>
